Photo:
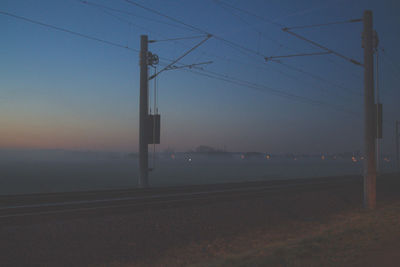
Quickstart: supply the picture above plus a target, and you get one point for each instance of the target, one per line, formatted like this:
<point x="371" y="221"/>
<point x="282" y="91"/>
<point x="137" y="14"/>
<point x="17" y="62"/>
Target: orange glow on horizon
<point x="28" y="137"/>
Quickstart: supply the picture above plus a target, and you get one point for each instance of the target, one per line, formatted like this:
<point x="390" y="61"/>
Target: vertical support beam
<point x="378" y="122"/>
<point x="369" y="109"/>
<point x="396" y="136"/>
<point x="143" y="114"/>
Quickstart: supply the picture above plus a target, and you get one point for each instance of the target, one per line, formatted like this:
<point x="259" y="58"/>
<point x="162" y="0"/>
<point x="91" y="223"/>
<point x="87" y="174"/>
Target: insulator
<point x="152" y="59"/>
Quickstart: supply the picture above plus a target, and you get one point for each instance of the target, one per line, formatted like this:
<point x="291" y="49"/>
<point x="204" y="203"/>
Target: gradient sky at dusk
<point x="62" y="91"/>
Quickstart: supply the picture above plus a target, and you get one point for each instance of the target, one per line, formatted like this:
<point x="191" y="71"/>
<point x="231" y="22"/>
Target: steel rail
<point x="158" y="199"/>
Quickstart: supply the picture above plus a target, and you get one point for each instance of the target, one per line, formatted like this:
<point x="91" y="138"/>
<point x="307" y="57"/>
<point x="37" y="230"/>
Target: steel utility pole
<point x="149" y="125"/>
<point x="143" y="114"/>
<point x="397" y="145"/>
<point x="369" y="113"/>
<point x="378" y="120"/>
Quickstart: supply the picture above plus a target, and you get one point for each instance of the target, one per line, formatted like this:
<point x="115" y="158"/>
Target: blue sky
<point x="62" y="91"/>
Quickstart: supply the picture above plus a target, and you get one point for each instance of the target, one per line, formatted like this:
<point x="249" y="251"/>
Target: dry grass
<point x="347" y="241"/>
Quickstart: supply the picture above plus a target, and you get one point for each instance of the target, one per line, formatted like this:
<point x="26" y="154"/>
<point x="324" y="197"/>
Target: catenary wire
<point x="68" y="31"/>
<point x="314" y="76"/>
<point x="214" y="75"/>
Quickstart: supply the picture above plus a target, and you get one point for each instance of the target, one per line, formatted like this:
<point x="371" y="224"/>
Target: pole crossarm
<point x="182" y="56"/>
<point x="298" y="55"/>
<point x="322" y="47"/>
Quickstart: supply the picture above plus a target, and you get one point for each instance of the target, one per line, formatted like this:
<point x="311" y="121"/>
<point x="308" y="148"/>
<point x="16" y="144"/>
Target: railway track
<point x="135" y="199"/>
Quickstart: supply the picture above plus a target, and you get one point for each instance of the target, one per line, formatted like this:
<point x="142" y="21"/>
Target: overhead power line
<point x="324" y="24"/>
<point x="250" y="13"/>
<point x="189" y="66"/>
<point x="88" y="3"/>
<point x="179" y="58"/>
<point x="273" y="91"/>
<point x="178" y="39"/>
<point x="281" y="45"/>
<point x="68" y="31"/>
<point x="322" y="47"/>
<point x="242" y="48"/>
<point x="243" y="83"/>
<point x="239" y="47"/>
<point x="314" y="76"/>
<point x="210" y="74"/>
<point x="228" y="8"/>
<point x="297" y="55"/>
<point x="281" y="25"/>
<point x="124" y="20"/>
<point x="195" y="28"/>
<point x="319" y="78"/>
<point x="167" y="16"/>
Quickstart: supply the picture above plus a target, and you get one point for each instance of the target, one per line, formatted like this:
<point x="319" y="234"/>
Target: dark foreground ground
<point x="295" y="228"/>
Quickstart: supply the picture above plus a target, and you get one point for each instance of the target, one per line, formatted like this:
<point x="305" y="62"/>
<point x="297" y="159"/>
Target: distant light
<point x="354" y="159"/>
<point x="362" y="158"/>
<point x="242" y="156"/>
<point x="267" y="156"/>
<point x="190" y="160"/>
<point x="323" y="157"/>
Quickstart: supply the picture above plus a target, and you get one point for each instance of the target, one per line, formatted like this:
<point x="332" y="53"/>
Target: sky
<point x="62" y="91"/>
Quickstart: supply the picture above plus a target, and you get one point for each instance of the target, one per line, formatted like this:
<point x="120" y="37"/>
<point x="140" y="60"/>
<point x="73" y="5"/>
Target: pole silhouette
<point x="143" y="114"/>
<point x="370" y="114"/>
<point x="396" y="138"/>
